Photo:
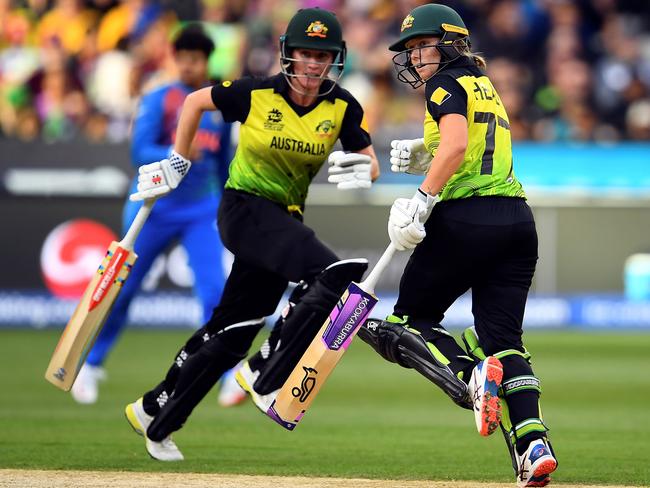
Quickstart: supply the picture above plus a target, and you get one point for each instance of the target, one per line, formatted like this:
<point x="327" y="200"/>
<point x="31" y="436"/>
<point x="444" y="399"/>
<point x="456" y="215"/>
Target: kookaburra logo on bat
<point x="306" y="385"/>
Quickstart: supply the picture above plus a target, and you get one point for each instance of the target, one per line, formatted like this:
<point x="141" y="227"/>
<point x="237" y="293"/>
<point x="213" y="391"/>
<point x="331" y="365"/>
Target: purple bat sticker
<point x="346" y="317"/>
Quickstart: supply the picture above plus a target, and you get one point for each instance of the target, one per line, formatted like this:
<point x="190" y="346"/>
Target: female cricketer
<point x="289" y="124"/>
<point x="470" y="228"/>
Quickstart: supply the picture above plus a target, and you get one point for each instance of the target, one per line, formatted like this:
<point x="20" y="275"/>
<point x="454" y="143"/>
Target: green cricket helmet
<point x="430" y="20"/>
<point x="317" y="29"/>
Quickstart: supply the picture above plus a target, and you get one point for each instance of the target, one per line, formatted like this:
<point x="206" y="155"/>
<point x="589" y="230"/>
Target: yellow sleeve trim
<point x="440" y="95"/>
<point x="364" y="124"/>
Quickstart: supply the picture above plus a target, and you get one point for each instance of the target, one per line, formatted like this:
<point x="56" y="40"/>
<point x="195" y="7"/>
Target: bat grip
<point x="140" y="218"/>
<point x="371" y="281"/>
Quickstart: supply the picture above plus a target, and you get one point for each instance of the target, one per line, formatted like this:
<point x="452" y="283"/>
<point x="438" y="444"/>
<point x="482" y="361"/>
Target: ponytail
<point x="478" y="60"/>
<point x="465" y="50"/>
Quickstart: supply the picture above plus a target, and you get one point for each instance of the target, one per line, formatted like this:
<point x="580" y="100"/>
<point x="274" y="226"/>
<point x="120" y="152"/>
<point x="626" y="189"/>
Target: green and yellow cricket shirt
<point x="487" y="169"/>
<point x="283" y="145"/>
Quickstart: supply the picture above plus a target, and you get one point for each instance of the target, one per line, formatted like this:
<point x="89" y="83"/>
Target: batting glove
<point x="158" y="179"/>
<point x="349" y="170"/>
<point x="406" y="220"/>
<point x="409" y="156"/>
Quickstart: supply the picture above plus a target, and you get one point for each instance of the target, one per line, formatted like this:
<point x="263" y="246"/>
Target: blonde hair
<point x="475" y="57"/>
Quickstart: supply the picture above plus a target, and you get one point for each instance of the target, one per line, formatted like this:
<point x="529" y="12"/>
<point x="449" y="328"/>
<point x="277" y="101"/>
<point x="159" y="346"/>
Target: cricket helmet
<point x="430" y="20"/>
<point x="317" y="29"/>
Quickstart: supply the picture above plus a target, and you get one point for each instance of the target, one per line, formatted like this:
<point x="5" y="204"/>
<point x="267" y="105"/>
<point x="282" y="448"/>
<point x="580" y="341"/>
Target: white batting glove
<point x="409" y="156"/>
<point x="349" y="170"/>
<point x="158" y="179"/>
<point x="406" y="220"/>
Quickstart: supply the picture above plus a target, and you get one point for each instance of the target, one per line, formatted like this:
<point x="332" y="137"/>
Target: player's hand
<point x="407" y="217"/>
<point x="409" y="156"/>
<point x="158" y="179"/>
<point x="349" y="170"/>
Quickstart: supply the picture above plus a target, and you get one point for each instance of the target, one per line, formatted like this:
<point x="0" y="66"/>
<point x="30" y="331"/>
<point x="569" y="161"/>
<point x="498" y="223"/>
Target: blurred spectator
<point x="564" y="69"/>
<point x="67" y="24"/>
<point x="57" y="95"/>
<point x="117" y="24"/>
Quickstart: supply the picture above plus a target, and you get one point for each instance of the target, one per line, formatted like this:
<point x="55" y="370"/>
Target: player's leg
<point x="153" y="238"/>
<point x="201" y="240"/>
<point x="213" y="349"/>
<point x="270" y="344"/>
<point x="305" y="319"/>
<point x="498" y="303"/>
<point x="205" y="253"/>
<point x="437" y="273"/>
<point x="298" y="255"/>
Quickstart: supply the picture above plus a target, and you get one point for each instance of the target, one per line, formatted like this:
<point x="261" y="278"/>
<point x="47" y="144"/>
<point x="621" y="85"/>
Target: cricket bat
<point x="88" y="318"/>
<point x="325" y="351"/>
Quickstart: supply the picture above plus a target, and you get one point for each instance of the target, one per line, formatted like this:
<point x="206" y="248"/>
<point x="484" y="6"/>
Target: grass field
<point x="372" y="420"/>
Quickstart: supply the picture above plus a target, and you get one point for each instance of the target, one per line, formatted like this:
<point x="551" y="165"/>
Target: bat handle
<point x="140" y="218"/>
<point x="371" y="281"/>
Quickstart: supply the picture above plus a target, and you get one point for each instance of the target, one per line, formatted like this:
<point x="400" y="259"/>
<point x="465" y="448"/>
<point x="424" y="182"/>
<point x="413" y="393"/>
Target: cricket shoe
<point x="85" y="389"/>
<point x="230" y="393"/>
<point x="484" y="393"/>
<point x="536" y="464"/>
<point x="165" y="450"/>
<point x="246" y="377"/>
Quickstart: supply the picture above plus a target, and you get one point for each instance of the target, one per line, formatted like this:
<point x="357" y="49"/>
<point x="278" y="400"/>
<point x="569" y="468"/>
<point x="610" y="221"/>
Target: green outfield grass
<point x="372" y="419"/>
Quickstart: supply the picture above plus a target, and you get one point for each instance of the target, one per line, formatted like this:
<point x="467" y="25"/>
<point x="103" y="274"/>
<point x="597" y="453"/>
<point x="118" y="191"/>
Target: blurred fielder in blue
<point x="188" y="214"/>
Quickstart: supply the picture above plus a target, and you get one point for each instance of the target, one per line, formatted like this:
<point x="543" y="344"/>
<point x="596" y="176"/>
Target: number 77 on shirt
<point x="325" y="351"/>
<point x="96" y="303"/>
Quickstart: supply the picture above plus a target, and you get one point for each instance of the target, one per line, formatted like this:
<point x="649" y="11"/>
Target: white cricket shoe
<point x="137" y="417"/>
<point x="246" y="377"/>
<point x="484" y="393"/>
<point x="85" y="389"/>
<point x="165" y="450"/>
<point x="536" y="464"/>
<point x="230" y="393"/>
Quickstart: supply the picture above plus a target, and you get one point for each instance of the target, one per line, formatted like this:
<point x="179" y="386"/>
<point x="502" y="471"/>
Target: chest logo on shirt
<point x="324" y="128"/>
<point x="274" y="120"/>
<point x="440" y="96"/>
<point x="317" y="29"/>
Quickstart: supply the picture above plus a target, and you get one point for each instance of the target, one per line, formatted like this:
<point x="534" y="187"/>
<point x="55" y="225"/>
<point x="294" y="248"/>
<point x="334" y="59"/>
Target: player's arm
<point x="450" y="153"/>
<point x="357" y="166"/>
<point x="374" y="162"/>
<point x="159" y="178"/>
<point x="193" y="107"/>
<point x="447" y="105"/>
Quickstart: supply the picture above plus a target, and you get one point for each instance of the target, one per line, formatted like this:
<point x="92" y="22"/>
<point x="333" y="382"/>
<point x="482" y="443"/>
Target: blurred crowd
<point x="565" y="70"/>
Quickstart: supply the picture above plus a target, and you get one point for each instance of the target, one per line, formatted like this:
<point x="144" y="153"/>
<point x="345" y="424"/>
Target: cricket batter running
<point x="479" y="234"/>
<point x="289" y="124"/>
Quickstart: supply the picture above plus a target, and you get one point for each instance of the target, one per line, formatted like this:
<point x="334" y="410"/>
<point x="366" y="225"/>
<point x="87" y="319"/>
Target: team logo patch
<point x="440" y="96"/>
<point x="317" y="29"/>
<point x="273" y="120"/>
<point x="407" y="23"/>
<point x="324" y="128"/>
<point x="226" y="83"/>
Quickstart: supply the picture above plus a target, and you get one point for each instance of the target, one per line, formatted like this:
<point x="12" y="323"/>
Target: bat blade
<point x="88" y="318"/>
<point x="322" y="356"/>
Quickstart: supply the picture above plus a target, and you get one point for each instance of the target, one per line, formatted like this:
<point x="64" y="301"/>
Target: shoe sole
<point x="490" y="413"/>
<point x="545" y="468"/>
<point x="542" y="482"/>
<point x="133" y="421"/>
